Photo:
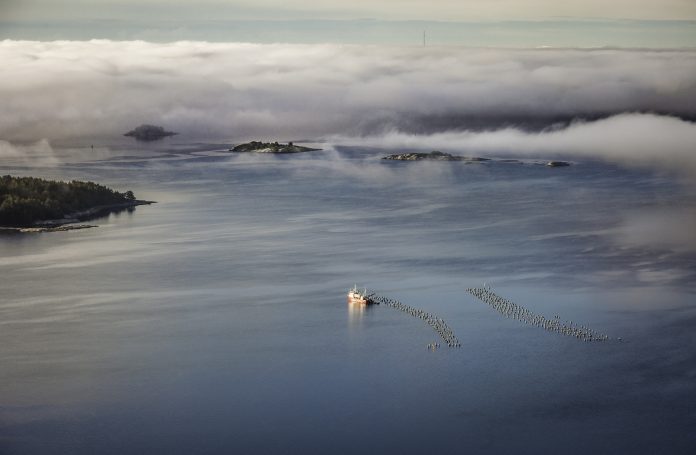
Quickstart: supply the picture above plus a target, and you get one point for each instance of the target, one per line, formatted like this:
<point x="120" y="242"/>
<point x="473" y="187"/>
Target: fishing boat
<point x="359" y="297"/>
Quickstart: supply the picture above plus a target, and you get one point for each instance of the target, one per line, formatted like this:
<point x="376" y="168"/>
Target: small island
<point x="433" y="156"/>
<point x="441" y="156"/>
<point x="148" y="133"/>
<point x="558" y="164"/>
<point x="29" y="204"/>
<point x="271" y="147"/>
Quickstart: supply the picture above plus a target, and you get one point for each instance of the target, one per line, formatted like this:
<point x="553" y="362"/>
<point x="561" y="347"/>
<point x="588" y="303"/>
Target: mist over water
<point x="614" y="104"/>
<point x="237" y="91"/>
<point x="215" y="321"/>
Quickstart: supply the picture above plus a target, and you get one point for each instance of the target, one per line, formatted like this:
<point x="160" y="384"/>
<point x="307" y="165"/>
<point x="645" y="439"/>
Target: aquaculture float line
<point x="438" y="324"/>
<point x="515" y="311"/>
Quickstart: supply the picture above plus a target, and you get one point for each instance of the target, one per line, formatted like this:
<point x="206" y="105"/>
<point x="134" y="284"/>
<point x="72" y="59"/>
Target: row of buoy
<point x="515" y="311"/>
<point x="438" y="324"/>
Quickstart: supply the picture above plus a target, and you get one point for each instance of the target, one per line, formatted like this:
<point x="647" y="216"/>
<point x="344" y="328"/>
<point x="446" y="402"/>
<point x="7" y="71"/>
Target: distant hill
<point x="149" y="133"/>
<point x="26" y="201"/>
<point x="271" y="147"/>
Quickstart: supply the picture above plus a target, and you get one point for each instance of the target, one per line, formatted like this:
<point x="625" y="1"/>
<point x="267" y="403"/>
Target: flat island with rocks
<point x="271" y="147"/>
<point x="29" y="204"/>
<point x="433" y="156"/>
<point x="441" y="156"/>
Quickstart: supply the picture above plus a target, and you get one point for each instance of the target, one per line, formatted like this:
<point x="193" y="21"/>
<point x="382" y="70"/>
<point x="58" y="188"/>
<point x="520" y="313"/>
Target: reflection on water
<point x="215" y="318"/>
<point x="356" y="313"/>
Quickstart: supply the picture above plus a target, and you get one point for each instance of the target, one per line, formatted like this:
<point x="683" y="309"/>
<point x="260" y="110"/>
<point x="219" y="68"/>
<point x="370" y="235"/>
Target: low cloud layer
<point x="642" y="140"/>
<point x="631" y="105"/>
<point x="238" y="91"/>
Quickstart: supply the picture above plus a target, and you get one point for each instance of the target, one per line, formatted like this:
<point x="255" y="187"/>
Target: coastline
<point x="67" y="223"/>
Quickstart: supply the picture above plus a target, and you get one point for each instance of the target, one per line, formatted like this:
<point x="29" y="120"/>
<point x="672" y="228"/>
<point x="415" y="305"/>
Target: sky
<point x="510" y="23"/>
<point x="442" y="10"/>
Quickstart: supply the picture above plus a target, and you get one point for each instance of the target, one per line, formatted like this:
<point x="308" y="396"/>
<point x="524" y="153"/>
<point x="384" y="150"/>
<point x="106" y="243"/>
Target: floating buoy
<point x="438" y="324"/>
<point x="515" y="311"/>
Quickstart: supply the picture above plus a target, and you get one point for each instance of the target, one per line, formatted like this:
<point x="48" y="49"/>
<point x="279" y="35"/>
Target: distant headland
<point x="271" y="147"/>
<point x="148" y="133"/>
<point x="29" y="204"/>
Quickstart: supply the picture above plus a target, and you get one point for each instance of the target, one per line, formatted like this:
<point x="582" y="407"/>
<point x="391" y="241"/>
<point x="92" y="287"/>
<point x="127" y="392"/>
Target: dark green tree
<point x="26" y="200"/>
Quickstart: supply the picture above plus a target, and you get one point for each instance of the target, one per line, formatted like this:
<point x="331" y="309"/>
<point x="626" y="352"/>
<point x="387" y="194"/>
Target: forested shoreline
<point x="27" y="201"/>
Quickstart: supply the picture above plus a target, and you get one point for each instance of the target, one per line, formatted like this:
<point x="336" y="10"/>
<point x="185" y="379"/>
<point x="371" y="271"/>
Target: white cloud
<point x="403" y="96"/>
<point x="634" y="139"/>
<point x="69" y="89"/>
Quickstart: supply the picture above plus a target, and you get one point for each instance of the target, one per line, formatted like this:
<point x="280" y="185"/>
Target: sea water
<point x="216" y="321"/>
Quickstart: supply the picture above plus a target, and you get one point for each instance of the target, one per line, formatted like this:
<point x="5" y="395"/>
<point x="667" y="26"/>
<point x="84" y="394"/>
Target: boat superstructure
<point x="357" y="296"/>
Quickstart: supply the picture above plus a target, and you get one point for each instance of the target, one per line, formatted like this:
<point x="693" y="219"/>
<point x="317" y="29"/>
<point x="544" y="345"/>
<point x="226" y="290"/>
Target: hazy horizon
<point x="555" y="32"/>
<point x="507" y="23"/>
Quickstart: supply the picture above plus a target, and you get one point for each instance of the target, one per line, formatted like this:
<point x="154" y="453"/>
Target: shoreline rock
<point x="33" y="230"/>
<point x="67" y="223"/>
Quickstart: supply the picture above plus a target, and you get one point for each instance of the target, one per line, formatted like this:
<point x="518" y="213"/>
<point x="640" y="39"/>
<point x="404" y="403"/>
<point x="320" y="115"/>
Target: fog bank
<point x="629" y="105"/>
<point x="233" y="91"/>
<point x="635" y="139"/>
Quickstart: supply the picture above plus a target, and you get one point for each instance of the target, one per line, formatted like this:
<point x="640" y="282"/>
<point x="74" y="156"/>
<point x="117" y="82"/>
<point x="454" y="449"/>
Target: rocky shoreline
<point x="68" y="222"/>
<point x="69" y="227"/>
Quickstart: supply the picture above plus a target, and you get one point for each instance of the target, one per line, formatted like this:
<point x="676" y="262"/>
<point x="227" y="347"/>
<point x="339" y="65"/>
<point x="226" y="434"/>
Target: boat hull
<point x="358" y="299"/>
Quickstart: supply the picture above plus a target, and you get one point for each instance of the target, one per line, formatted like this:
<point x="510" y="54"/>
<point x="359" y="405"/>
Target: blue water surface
<point x="216" y="321"/>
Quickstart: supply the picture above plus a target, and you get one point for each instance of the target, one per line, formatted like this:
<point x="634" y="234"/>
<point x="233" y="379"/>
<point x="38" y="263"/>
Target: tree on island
<point x="271" y="147"/>
<point x="27" y="200"/>
<point x="149" y="133"/>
